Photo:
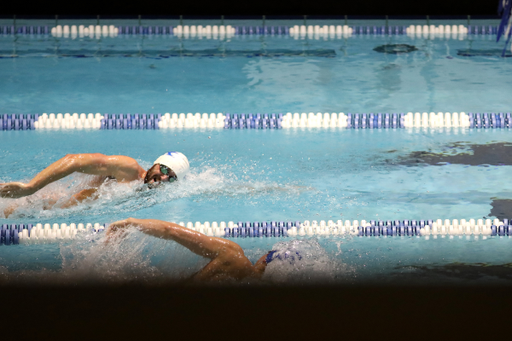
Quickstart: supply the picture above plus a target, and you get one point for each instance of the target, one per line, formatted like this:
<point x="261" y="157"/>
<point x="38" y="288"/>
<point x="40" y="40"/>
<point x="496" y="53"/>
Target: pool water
<point x="142" y="75"/>
<point x="256" y="175"/>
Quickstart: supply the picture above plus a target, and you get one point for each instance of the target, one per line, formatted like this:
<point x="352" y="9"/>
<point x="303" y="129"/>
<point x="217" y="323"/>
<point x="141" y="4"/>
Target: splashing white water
<point x="309" y="263"/>
<point x="136" y="258"/>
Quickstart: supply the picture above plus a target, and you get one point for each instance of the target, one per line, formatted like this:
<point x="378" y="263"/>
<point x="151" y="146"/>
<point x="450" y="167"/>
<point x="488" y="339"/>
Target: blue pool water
<point x="126" y="74"/>
<point x="251" y="175"/>
<point x="267" y="175"/>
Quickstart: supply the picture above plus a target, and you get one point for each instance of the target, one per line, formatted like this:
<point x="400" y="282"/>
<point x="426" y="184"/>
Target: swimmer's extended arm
<point x="200" y="244"/>
<point x="122" y="168"/>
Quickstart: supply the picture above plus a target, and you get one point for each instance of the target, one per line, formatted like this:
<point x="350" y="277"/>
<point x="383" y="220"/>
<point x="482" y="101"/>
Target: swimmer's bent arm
<point x="121" y="167"/>
<point x="200" y="244"/>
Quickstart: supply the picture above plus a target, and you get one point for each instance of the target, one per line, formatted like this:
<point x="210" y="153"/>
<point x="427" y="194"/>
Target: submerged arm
<point x="200" y="244"/>
<point x="79" y="197"/>
<point x="49" y="200"/>
<point x="84" y="194"/>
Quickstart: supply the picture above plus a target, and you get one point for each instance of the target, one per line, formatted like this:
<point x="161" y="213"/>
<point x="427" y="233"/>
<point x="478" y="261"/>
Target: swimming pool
<point x="248" y="175"/>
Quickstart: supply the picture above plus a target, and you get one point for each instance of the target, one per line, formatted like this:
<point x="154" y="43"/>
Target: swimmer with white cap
<point x="170" y="167"/>
<point x="227" y="259"/>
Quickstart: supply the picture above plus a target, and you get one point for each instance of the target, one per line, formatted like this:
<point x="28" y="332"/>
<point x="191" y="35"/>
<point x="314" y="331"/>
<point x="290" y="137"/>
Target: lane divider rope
<point x="209" y="31"/>
<point x="30" y="233"/>
<point x="255" y="121"/>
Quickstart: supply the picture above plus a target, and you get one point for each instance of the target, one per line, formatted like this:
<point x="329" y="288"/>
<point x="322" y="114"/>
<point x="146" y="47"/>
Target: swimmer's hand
<point x="15" y="190"/>
<point x="115" y="230"/>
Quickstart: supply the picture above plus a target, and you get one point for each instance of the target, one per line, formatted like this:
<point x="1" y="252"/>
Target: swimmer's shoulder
<point x="114" y="161"/>
<point x="132" y="169"/>
<point x="122" y="161"/>
<point x="119" y="167"/>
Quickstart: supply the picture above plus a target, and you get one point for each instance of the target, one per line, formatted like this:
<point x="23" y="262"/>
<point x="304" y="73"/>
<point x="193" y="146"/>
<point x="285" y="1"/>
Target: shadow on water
<point x="462" y="153"/>
<point x="501" y="208"/>
<point x="459" y="271"/>
<point x="395" y="48"/>
<point x="483" y="53"/>
<point x="163" y="54"/>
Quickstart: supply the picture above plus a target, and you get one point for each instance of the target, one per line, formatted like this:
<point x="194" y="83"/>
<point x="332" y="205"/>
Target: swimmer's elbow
<point x="234" y="249"/>
<point x="69" y="157"/>
<point x="72" y="160"/>
<point x="131" y="221"/>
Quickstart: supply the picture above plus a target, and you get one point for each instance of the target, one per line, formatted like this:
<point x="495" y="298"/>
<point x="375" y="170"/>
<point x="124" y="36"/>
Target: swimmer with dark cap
<point x="228" y="261"/>
<point x="169" y="167"/>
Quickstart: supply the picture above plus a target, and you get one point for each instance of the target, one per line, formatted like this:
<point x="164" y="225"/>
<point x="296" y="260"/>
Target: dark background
<point x="242" y="313"/>
<point x="242" y="8"/>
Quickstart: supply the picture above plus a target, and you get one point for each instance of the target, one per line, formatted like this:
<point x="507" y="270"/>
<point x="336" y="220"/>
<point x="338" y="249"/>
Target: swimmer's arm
<point x="52" y="200"/>
<point x="200" y="244"/>
<point x="123" y="168"/>
<point x="79" y="197"/>
<point x="91" y="193"/>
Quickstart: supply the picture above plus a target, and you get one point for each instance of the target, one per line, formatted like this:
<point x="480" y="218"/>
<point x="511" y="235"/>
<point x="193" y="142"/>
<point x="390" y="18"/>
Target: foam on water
<point x="315" y="264"/>
<point x="136" y="258"/>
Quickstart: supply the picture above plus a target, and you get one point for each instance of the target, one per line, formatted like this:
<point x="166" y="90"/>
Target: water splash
<point x="136" y="258"/>
<point x="315" y="265"/>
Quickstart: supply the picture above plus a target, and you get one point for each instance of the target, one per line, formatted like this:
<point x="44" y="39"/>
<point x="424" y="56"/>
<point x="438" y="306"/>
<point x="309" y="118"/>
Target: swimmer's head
<point x="170" y="167"/>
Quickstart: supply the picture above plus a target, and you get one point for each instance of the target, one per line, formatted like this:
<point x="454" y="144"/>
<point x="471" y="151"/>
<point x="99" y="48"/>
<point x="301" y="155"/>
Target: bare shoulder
<point x="126" y="160"/>
<point x="114" y="160"/>
<point x="231" y="263"/>
<point x="124" y="168"/>
<point x="121" y="167"/>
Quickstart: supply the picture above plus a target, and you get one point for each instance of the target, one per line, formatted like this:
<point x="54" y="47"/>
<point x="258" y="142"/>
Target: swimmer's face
<point x="154" y="176"/>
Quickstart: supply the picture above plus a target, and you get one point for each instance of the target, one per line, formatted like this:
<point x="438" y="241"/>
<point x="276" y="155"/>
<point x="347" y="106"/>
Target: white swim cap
<point x="175" y="161"/>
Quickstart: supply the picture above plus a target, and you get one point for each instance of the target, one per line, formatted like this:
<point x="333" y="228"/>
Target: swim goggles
<point x="166" y="171"/>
